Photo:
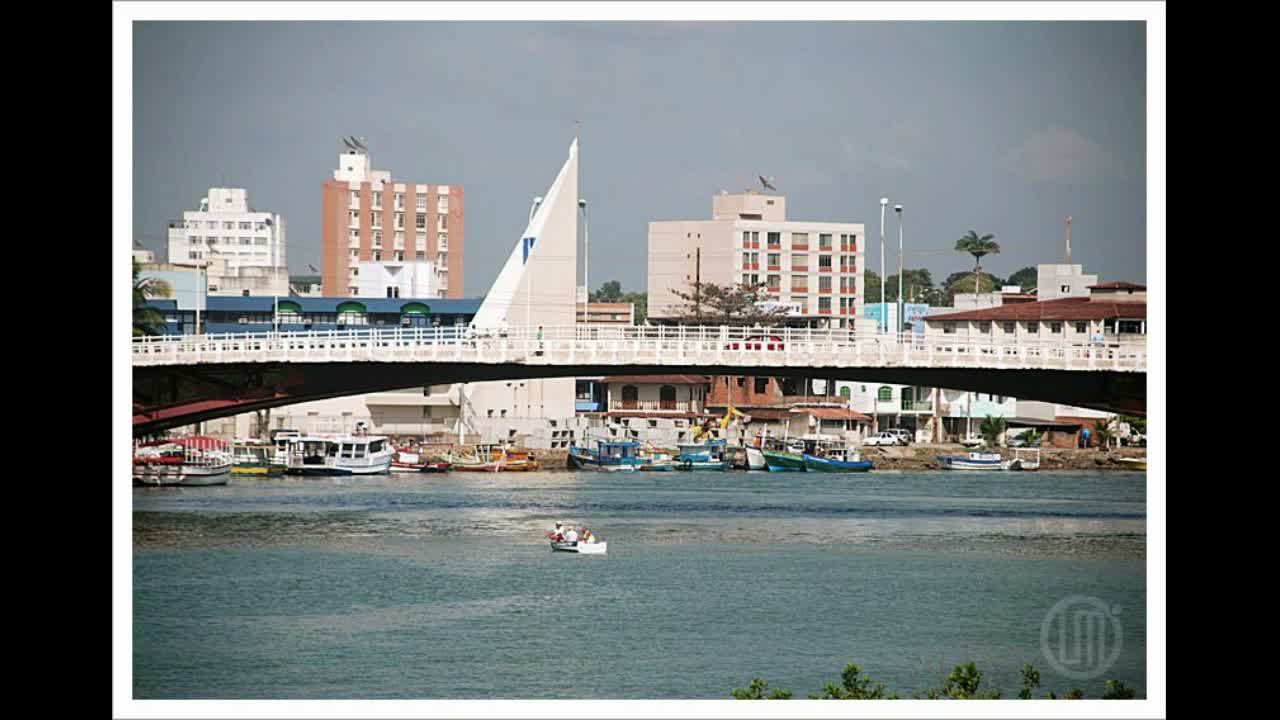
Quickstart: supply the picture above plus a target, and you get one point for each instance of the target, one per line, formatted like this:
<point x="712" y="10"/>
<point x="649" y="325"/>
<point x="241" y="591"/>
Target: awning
<point x="823" y="413"/>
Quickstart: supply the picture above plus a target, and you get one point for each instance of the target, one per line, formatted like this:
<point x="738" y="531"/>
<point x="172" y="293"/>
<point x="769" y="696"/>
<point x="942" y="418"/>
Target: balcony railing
<point x="652" y="406"/>
<point x="917" y="406"/>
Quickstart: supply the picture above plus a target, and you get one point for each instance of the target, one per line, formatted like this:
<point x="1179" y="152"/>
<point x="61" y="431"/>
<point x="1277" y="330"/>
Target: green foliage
<point x="852" y="687"/>
<point x="917" y="286"/>
<point x="964" y="683"/>
<point x="1104" y="431"/>
<point x="978" y="246"/>
<point x="146" y="319"/>
<point x="757" y="691"/>
<point x="1032" y="438"/>
<point x="1116" y="690"/>
<point x="1026" y="278"/>
<point x="712" y="304"/>
<point x="990" y="430"/>
<point x="1136" y="424"/>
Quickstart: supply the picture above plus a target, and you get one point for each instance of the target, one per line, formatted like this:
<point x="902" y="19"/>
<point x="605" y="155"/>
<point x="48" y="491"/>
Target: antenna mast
<point x="1068" y="239"/>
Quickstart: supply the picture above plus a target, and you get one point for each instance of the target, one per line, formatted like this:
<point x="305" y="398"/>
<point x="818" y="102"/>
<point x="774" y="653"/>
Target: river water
<point x="442" y="586"/>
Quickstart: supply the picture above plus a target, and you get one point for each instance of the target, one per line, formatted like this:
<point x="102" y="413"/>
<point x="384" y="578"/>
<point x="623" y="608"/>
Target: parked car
<point x="881" y="438"/>
<point x="904" y="436"/>
<point x="758" y="342"/>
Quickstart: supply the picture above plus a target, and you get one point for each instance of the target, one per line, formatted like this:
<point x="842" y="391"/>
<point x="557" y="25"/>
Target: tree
<point x="977" y="246"/>
<point x="990" y="430"/>
<point x="1026" y="278"/>
<point x="871" y="287"/>
<point x="914" y="283"/>
<point x="1105" y="431"/>
<point x="728" y="305"/>
<point x="756" y="691"/>
<point x="1032" y="438"/>
<point x="146" y="319"/>
<point x="852" y="687"/>
<point x="610" y="292"/>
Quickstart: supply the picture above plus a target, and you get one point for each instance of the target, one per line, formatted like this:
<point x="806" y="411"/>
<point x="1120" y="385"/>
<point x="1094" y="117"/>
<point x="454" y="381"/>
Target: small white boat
<point x="755" y="459"/>
<point x="975" y="461"/>
<point x="198" y="460"/>
<point x="592" y="548"/>
<point x="1134" y="463"/>
<point x="340" y="455"/>
<point x="1025" y="459"/>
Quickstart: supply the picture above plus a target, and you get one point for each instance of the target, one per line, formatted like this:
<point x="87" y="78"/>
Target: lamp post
<point x="901" y="306"/>
<point x="586" y="261"/>
<point x="884" y="202"/>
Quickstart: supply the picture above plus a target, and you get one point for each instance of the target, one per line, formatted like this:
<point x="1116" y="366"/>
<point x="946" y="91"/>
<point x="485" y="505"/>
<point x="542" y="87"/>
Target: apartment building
<point x="369" y="217"/>
<point x="243" y="248"/>
<point x="812" y="268"/>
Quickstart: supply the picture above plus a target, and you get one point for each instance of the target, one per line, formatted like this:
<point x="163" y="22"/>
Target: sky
<point x="999" y="127"/>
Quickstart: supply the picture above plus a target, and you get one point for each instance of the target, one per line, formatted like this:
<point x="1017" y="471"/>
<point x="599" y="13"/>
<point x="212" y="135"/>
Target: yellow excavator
<point x="715" y="428"/>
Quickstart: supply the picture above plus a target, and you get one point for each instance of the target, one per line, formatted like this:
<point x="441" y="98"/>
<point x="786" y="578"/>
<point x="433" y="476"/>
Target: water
<point x="442" y="586"/>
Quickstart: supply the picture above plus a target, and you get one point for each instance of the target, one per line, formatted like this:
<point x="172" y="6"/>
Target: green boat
<point x="779" y="461"/>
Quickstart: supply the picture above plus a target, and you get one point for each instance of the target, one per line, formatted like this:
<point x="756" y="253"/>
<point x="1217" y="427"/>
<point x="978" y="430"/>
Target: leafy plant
<point x="1105" y="431"/>
<point x="146" y="319"/>
<point x="739" y="304"/>
<point x="1032" y="438"/>
<point x="853" y="686"/>
<point x="990" y="430"/>
<point x="757" y="691"/>
<point x="978" y="246"/>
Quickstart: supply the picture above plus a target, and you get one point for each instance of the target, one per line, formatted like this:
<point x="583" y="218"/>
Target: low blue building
<point x="241" y="314"/>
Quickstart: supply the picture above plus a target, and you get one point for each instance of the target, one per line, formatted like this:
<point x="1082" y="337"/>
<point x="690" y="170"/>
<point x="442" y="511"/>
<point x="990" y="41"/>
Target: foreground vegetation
<point x="963" y="684"/>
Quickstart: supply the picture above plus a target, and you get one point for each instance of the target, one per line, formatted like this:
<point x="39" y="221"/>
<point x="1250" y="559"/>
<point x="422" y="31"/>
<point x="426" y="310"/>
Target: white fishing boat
<point x="189" y="461"/>
<point x="1025" y="459"/>
<point x="974" y="461"/>
<point x="585" y="548"/>
<point x="755" y="458"/>
<point x="339" y="455"/>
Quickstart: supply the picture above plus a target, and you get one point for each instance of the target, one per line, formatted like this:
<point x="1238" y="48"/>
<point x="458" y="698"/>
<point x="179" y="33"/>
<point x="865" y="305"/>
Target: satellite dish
<point x="766" y="182"/>
<point x="348" y="144"/>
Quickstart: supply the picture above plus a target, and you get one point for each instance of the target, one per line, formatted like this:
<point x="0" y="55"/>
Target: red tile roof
<point x="657" y="379"/>
<point x="1118" y="285"/>
<point x="1062" y="309"/>
<point x="825" y="413"/>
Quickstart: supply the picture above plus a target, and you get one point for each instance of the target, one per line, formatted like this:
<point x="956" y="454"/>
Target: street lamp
<point x="586" y="261"/>
<point x="898" y="209"/>
<point x="884" y="202"/>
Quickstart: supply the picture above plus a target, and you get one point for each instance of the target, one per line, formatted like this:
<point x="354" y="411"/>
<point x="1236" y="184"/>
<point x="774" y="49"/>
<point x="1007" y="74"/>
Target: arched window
<point x="885" y="393"/>
<point x="845" y="392"/>
<point x="352" y="313"/>
<point x="415" y="314"/>
<point x="667" y="397"/>
<point x="290" y="312"/>
<point x="630" y="397"/>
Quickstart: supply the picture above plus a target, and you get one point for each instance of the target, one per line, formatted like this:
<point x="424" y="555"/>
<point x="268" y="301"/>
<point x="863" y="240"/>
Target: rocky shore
<point x="922" y="457"/>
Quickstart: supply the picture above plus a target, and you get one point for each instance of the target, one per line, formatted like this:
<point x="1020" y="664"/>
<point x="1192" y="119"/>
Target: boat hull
<point x="521" y="466"/>
<point x="755" y="459"/>
<point x="946" y="462"/>
<point x="597" y="548"/>
<point x="258" y="469"/>
<point x="689" y="465"/>
<point x="378" y="468"/>
<point x="817" y="464"/>
<point x="658" y="467"/>
<point x="584" y="461"/>
<point x="783" y="462"/>
<point x="1134" y="463"/>
<point x="167" y="475"/>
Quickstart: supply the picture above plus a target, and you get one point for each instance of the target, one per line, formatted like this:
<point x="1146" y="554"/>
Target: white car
<point x="903" y="435"/>
<point x="881" y="438"/>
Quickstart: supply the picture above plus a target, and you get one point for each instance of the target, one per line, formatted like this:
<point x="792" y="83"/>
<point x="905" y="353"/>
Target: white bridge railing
<point x="641" y="345"/>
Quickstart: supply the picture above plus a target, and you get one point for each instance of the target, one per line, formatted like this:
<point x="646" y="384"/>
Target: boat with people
<point x="313" y="455"/>
<point x="977" y="460"/>
<point x="565" y="539"/>
<point x="609" y="456"/>
<point x="835" y="456"/>
<point x="257" y="458"/>
<point x="192" y="461"/>
<point x="493" y="457"/>
<point x="710" y="455"/>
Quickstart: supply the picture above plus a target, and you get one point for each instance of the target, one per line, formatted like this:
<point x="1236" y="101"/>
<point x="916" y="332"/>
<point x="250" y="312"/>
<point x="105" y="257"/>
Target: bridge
<point x="180" y="380"/>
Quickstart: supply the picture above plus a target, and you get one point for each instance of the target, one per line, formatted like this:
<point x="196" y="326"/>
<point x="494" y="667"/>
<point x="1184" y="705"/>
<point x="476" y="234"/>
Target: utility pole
<point x="1068" y="239"/>
<point x="901" y="299"/>
<point x="697" y="285"/>
<point x="884" y="312"/>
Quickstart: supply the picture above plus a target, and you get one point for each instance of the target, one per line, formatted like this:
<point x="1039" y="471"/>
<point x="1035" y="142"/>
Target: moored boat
<point x="834" y="457"/>
<point x="1133" y="463"/>
<point x="1025" y="459"/>
<point x="974" y="461"/>
<point x="780" y="456"/>
<point x="190" y="461"/>
<point x="493" y="458"/>
<point x="339" y="455"/>
<point x="259" y="459"/>
<point x="609" y="456"/>
<point x="712" y="455"/>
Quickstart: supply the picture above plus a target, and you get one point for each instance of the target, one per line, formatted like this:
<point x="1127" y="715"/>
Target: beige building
<point x="813" y="268"/>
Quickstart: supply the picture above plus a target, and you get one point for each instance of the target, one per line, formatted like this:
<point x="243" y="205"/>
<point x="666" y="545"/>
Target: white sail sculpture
<point x="537" y="285"/>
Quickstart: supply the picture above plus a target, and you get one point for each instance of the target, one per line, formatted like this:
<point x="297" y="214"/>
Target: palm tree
<point x="990" y="430"/>
<point x="145" y="319"/>
<point x="977" y="246"/>
<point x="1104" y="431"/>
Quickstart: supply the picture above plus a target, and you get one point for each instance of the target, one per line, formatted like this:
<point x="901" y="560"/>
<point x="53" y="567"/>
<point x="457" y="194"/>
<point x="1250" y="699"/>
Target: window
<point x="246" y="225"/>
<point x="376" y="216"/>
<point x="1064" y="288"/>
<point x="949" y="328"/>
<point x="399" y="201"/>
<point x="355" y="253"/>
<point x="824" y="241"/>
<point x="848" y="285"/>
<point x="1082" y="327"/>
<point x="442" y="241"/>
<point x="799" y="283"/>
<point x="800" y="241"/>
<point x="400" y="220"/>
<point x="774" y="282"/>
<point x="442" y="259"/>
<point x="824" y="284"/>
<point x="630" y="396"/>
<point x="885" y="393"/>
<point x="393" y="292"/>
<point x="667" y="397"/>
<point x="377" y="256"/>
<point x="377" y="197"/>
<point x="1055" y="327"/>
<point x="260" y="241"/>
<point x="762" y="385"/>
<point x="211" y="225"/>
<point x="228" y="225"/>
<point x="1009" y="328"/>
<point x="421" y="203"/>
<point x="246" y="241"/>
<point x="799" y="262"/>
<point x="355" y="233"/>
<point x="824" y="262"/>
<point x="355" y="198"/>
<point x="444" y="223"/>
<point x="422" y="241"/>
<point x="421" y="222"/>
<point x="442" y="203"/>
<point x="421" y="256"/>
<point x="774" y="239"/>
<point x="1033" y="327"/>
<point x="824" y="304"/>
<point x="984" y="327"/>
<point x="377" y="238"/>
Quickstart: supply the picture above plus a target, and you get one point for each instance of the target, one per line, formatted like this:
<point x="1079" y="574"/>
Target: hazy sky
<point x="1004" y="128"/>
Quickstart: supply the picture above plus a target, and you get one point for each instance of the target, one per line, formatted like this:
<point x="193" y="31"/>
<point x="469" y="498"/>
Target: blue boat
<point x="837" y="462"/>
<point x="713" y="455"/>
<point x="609" y="456"/>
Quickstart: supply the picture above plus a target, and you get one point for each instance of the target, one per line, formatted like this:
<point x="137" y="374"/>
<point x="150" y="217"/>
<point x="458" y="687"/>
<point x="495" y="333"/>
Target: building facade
<point x="243" y="248"/>
<point x="394" y="279"/>
<point x="1109" y="313"/>
<point x="368" y="217"/>
<point x="813" y="268"/>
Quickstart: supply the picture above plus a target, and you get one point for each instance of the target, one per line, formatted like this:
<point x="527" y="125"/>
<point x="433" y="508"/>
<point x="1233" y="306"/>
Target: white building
<point x="250" y="244"/>
<point x="399" y="279"/>
<point x="1059" y="281"/>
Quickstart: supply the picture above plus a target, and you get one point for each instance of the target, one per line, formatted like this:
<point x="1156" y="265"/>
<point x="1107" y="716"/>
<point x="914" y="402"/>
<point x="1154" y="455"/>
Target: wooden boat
<point x="974" y="461"/>
<point x="191" y="461"/>
<point x="494" y="458"/>
<point x="259" y="459"/>
<point x="1133" y="463"/>
<point x="657" y="462"/>
<point x="592" y="548"/>
<point x="1025" y="459"/>
<point x="783" y="456"/>
<point x="609" y="456"/>
<point x="712" y="455"/>
<point x="836" y="458"/>
<point x="338" y="455"/>
<point x="755" y="458"/>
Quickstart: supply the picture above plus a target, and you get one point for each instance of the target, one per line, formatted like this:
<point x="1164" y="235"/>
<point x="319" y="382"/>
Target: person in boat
<point x="587" y="537"/>
<point x="571" y="536"/>
<point x="557" y="534"/>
